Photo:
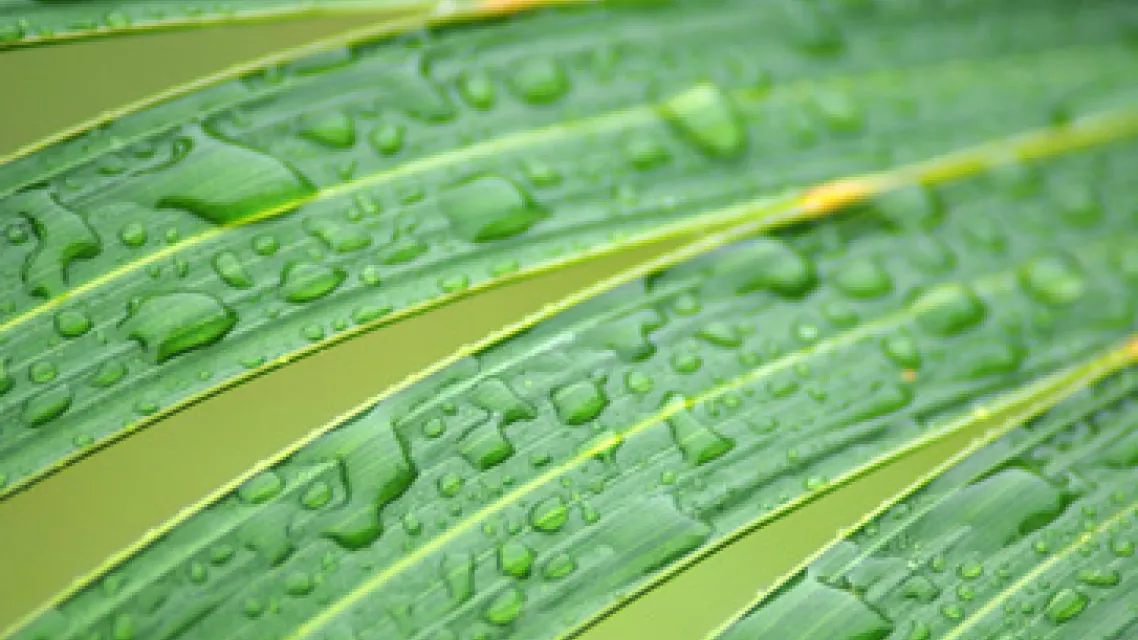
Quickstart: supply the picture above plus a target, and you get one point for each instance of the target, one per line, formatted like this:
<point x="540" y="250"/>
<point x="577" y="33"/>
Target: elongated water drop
<point x="171" y="324"/>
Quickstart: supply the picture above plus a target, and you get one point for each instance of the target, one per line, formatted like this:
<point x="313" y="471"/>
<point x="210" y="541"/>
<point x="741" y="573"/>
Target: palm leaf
<point x="32" y="22"/>
<point x="174" y="252"/>
<point x="1032" y="534"/>
<point x="525" y="491"/>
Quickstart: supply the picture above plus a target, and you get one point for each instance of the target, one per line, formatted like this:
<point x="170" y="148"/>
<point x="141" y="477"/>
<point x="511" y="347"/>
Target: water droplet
<point x="1054" y="280"/>
<point x="949" y="309"/>
<point x="970" y="570"/>
<point x="484" y="446"/>
<point x="768" y="264"/>
<point x="952" y="612"/>
<point x="707" y="117"/>
<point x="307" y="281"/>
<point x="902" y="348"/>
<point x="540" y="81"/>
<point x="298" y="584"/>
<point x="387" y="138"/>
<point x="108" y="374"/>
<point x="42" y="371"/>
<point x="71" y="323"/>
<point x="515" y="559"/>
<point x="231" y="271"/>
<point x="63" y="236"/>
<point x="1065" y="604"/>
<point x="261" y="488"/>
<point x="645" y="152"/>
<point x="333" y="129"/>
<point x="132" y="234"/>
<point x="224" y="183"/>
<point x="559" y="566"/>
<point x="488" y="208"/>
<point x="1099" y="577"/>
<point x="541" y="174"/>
<point x="449" y="484"/>
<point x="720" y="334"/>
<point x="265" y="245"/>
<point x="338" y="237"/>
<point x="579" y="402"/>
<point x="47" y="405"/>
<point x="454" y="283"/>
<point x="697" y="442"/>
<point x="171" y="324"/>
<point x="506" y="607"/>
<point x="477" y="89"/>
<point x="863" y="279"/>
<point x="638" y="382"/>
<point x="316" y="496"/>
<point x="549" y="515"/>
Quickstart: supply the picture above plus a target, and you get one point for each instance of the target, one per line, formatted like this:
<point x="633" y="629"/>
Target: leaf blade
<point x="693" y="435"/>
<point x="936" y="499"/>
<point x="576" y="222"/>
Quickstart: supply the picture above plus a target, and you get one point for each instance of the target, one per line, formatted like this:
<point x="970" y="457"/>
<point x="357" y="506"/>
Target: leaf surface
<point x="1032" y="535"/>
<point x="184" y="248"/>
<point x="522" y="491"/>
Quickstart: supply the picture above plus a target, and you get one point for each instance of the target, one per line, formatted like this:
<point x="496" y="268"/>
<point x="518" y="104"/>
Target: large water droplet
<point x="170" y="324"/>
<point x="307" y="281"/>
<point x="708" y="118"/>
<point x="488" y="208"/>
<point x="47" y="405"/>
<point x="769" y="264"/>
<point x="222" y="182"/>
<point x="515" y="559"/>
<point x="579" y="402"/>
<point x="1066" y="604"/>
<point x="63" y="236"/>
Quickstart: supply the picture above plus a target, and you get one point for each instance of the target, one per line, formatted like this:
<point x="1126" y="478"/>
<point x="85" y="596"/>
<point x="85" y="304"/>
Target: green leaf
<point x="31" y="22"/>
<point x="1032" y="535"/>
<point x="174" y="252"/>
<point x="527" y="489"/>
